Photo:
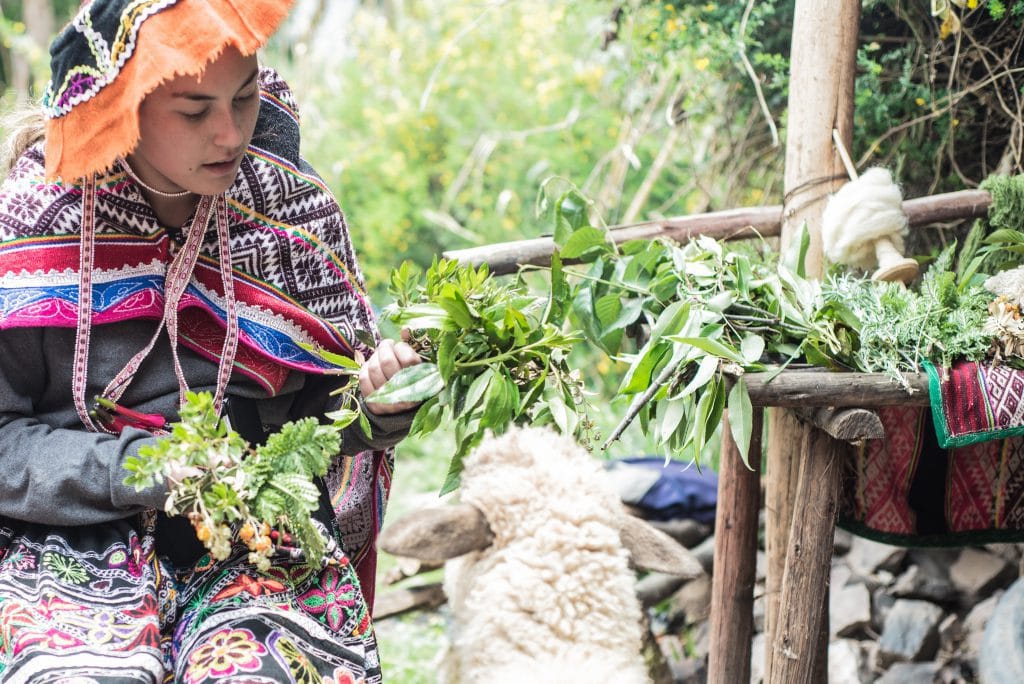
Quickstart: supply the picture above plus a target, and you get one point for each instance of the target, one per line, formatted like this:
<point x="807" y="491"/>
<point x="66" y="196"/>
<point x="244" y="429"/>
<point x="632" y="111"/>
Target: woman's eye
<point x="195" y="116"/>
<point x="242" y="99"/>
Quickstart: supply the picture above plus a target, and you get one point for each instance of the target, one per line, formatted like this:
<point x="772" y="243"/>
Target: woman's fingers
<point x="389" y="358"/>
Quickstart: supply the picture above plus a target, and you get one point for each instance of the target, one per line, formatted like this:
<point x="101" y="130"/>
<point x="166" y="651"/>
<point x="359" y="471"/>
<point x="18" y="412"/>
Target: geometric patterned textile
<point x="907" y="489"/>
<point x="974" y="402"/>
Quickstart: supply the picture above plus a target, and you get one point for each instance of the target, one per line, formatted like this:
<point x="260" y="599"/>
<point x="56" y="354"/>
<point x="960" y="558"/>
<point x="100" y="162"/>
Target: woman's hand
<point x="389" y="358"/>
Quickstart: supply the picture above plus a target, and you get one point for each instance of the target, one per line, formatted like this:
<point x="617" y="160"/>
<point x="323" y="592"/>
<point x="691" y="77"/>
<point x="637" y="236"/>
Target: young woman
<point x="165" y="235"/>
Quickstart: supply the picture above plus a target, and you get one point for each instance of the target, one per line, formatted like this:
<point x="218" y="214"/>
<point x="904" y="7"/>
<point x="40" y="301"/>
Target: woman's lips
<point x="222" y="168"/>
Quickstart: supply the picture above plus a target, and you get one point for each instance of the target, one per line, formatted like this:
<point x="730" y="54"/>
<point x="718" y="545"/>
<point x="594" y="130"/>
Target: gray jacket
<point x="53" y="471"/>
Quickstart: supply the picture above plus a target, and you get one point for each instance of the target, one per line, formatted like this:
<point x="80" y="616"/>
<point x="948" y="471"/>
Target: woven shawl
<point x="296" y="279"/>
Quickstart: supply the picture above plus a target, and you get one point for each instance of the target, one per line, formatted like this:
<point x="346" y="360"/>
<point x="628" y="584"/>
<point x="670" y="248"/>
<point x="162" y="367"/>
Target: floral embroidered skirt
<point x="99" y="604"/>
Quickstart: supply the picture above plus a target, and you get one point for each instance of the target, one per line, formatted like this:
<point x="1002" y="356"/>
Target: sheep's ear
<point x="436" y="534"/>
<point x="651" y="549"/>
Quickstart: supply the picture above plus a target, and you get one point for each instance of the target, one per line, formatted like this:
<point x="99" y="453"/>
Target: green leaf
<point x="554" y="312"/>
<point x="630" y="311"/>
<point x="446" y="354"/>
<point x="751" y="349"/>
<point x="582" y="241"/>
<point x="673" y="412"/>
<point x="497" y="410"/>
<point x="559" y="414"/>
<point x="638" y="375"/>
<point x="428" y="417"/>
<point x="741" y="418"/>
<point x="714" y="419"/>
<point x="342" y="418"/>
<point x="607" y="309"/>
<point x="454" y="303"/>
<point x="477" y="389"/>
<point x="412" y="383"/>
<point x="426" y="316"/>
<point x="670" y="320"/>
<point x="698" y="431"/>
<point x="1004" y="235"/>
<point x="710" y="346"/>
<point x="705" y="371"/>
<point x="331" y="357"/>
<point x="795" y="254"/>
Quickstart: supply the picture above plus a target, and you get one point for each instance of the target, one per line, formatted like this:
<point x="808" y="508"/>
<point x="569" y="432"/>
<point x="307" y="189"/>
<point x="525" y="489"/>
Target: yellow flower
<point x="919" y="101"/>
<point x="702" y="63"/>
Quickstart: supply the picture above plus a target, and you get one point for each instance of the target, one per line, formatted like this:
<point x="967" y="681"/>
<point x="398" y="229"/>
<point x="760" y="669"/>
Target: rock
<point x="687" y="532"/>
<point x="845" y="661"/>
<point x="693" y="600"/>
<point x="701" y="640"/>
<point x="977" y="572"/>
<point x="759" y="609"/>
<point x="867" y="557"/>
<point x="841" y="542"/>
<point x="951" y="635"/>
<point x="910" y="673"/>
<point x="705" y="554"/>
<point x="850" y="610"/>
<point x="911" y="632"/>
<point x="839" y="575"/>
<point x="927" y="582"/>
<point x="1010" y="552"/>
<point x="974" y="624"/>
<point x="881" y="603"/>
<point x="757" y="655"/>
<point x="689" y="671"/>
<point x="1001" y="660"/>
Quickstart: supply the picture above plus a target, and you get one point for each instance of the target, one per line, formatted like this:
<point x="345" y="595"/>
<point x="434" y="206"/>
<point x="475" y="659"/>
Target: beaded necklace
<point x="160" y="193"/>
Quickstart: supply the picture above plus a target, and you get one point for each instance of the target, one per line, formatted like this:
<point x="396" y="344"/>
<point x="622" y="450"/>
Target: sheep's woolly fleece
<point x="552" y="600"/>
<point x="862" y="211"/>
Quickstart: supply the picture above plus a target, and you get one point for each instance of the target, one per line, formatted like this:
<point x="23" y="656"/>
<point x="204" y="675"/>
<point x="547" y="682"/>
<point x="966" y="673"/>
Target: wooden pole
<point x="822" y="64"/>
<point x="732" y="585"/>
<point x="731" y="224"/>
<point x="796" y="655"/>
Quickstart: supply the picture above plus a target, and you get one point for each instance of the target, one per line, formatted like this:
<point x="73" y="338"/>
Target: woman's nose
<point x="228" y="130"/>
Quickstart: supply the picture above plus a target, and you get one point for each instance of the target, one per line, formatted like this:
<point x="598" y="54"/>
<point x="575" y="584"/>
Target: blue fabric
<point x="674" y="491"/>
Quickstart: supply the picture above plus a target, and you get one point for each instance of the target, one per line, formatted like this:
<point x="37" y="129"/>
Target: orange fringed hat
<point x="115" y="52"/>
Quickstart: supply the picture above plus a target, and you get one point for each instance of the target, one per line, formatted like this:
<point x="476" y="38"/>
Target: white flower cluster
<point x="1004" y="322"/>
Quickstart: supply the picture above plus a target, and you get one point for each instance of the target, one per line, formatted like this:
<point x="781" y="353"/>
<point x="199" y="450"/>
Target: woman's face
<point x="194" y="130"/>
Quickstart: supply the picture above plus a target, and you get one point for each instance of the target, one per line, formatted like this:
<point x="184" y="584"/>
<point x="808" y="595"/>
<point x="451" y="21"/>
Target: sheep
<point x="539" y="583"/>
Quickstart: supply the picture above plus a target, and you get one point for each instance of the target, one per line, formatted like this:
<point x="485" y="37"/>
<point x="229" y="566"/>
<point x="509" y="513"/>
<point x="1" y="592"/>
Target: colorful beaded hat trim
<point x="95" y="57"/>
<point x="116" y="52"/>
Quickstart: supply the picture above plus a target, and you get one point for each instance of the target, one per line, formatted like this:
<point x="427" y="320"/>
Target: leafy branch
<point x="262" y="496"/>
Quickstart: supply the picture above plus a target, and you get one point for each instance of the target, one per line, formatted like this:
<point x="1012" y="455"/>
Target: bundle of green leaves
<point x="495" y="354"/>
<point x="231" y="491"/>
<point x="707" y="312"/>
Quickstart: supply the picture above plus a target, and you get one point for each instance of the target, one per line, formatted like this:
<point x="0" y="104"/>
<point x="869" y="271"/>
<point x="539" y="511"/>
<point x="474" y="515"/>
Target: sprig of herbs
<point x="262" y="496"/>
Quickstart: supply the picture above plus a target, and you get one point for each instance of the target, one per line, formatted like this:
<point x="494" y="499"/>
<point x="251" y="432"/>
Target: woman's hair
<point x="22" y="127"/>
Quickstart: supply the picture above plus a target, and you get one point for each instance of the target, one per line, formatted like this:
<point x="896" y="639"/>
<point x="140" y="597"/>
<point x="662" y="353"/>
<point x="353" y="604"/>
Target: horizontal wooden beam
<point x="731" y="224"/>
<point x="800" y="388"/>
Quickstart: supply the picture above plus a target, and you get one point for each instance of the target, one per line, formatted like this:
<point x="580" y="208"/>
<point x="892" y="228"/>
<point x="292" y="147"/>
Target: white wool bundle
<point x="553" y="599"/>
<point x="862" y="211"/>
